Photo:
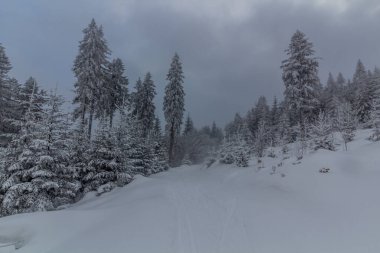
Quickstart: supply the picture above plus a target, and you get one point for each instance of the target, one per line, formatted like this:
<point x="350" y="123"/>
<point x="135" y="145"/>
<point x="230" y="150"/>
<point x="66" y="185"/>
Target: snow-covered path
<point x="222" y="209"/>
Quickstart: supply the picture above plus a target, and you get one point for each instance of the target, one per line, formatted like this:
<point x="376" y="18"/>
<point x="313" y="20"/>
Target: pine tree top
<point x="5" y="65"/>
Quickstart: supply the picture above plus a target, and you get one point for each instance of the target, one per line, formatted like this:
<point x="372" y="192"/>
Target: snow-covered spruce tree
<point x="58" y="140"/>
<point x="340" y="81"/>
<point x="364" y="93"/>
<point x="91" y="71"/>
<point x="236" y="149"/>
<point x="300" y="76"/>
<point x="5" y="65"/>
<point x="36" y="162"/>
<point x="159" y="160"/>
<point x="174" y="104"/>
<point x="233" y="127"/>
<point x="11" y="122"/>
<point x="158" y="148"/>
<point x="375" y="112"/>
<point x="331" y="97"/>
<point x="105" y="169"/>
<point x="273" y="122"/>
<point x="322" y="132"/>
<point x="189" y="126"/>
<point x="226" y="152"/>
<point x="262" y="109"/>
<point x="146" y="107"/>
<point x="188" y="137"/>
<point x="21" y="98"/>
<point x="260" y="112"/>
<point x="8" y="104"/>
<point x="346" y="122"/>
<point x="136" y="98"/>
<point x="284" y="128"/>
<point x="364" y="103"/>
<point x="115" y="90"/>
<point x="79" y="150"/>
<point x="136" y="149"/>
<point x="39" y="97"/>
<point x="375" y="123"/>
<point x="157" y="132"/>
<point x="360" y="76"/>
<point x="241" y="156"/>
<point x="261" y="138"/>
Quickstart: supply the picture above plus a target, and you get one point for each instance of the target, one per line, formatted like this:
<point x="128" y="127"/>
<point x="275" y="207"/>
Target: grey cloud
<point x="228" y="62"/>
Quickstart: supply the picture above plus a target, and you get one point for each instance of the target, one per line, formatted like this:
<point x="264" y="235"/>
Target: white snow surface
<point x="222" y="209"/>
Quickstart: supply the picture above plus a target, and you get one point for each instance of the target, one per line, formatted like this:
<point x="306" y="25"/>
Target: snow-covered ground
<point x="223" y="209"/>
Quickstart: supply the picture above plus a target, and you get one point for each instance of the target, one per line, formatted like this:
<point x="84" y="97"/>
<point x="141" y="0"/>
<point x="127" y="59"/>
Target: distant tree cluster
<point x="310" y="111"/>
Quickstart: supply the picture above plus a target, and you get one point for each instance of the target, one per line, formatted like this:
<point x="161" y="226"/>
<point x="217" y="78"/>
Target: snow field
<point x="223" y="208"/>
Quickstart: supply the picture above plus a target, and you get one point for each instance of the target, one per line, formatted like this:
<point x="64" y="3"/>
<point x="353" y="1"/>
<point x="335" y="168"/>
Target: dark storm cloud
<point x="231" y="50"/>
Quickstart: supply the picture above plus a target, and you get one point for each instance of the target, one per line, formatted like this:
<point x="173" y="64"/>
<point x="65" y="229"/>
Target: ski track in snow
<point x="184" y="227"/>
<point x="226" y="225"/>
<point x="185" y="195"/>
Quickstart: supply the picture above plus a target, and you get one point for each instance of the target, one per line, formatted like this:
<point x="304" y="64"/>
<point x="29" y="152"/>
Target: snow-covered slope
<point x="223" y="209"/>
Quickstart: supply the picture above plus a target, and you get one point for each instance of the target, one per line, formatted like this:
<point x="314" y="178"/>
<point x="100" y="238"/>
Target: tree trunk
<point x="171" y="145"/>
<point x="111" y="120"/>
<point x="302" y="132"/>
<point x="90" y="120"/>
<point x="84" y="115"/>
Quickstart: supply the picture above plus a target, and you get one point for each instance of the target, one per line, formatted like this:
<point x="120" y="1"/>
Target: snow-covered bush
<point x="226" y="154"/>
<point x="346" y="123"/>
<point x="235" y="150"/>
<point x="227" y="158"/>
<point x="241" y="158"/>
<point x="322" y="133"/>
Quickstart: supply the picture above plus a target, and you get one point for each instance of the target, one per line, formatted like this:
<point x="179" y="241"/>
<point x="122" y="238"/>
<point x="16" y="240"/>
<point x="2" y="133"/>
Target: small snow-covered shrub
<point x="241" y="159"/>
<point x="285" y="149"/>
<point x="271" y="153"/>
<point x="324" y="143"/>
<point x="324" y="170"/>
<point x="322" y="133"/>
<point x="346" y="123"/>
<point x="375" y="136"/>
<point x="227" y="158"/>
<point x="105" y="188"/>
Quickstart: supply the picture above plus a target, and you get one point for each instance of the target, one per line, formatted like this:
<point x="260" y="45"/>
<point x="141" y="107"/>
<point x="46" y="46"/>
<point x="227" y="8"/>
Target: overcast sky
<point x="231" y="50"/>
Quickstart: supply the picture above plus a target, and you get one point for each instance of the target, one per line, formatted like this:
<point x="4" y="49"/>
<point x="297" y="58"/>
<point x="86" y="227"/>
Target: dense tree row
<point x="51" y="158"/>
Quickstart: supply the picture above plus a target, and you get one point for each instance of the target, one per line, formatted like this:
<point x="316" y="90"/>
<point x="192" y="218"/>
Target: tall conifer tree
<point x="174" y="103"/>
<point x="91" y="70"/>
<point x="300" y="76"/>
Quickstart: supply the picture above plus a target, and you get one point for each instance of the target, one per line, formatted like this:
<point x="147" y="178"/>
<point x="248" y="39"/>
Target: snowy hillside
<point x="223" y="209"/>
